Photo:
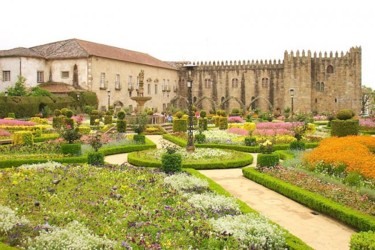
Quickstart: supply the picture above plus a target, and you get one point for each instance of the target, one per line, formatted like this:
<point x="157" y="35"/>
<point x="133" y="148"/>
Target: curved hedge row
<point x="314" y="201"/>
<point x="134" y="159"/>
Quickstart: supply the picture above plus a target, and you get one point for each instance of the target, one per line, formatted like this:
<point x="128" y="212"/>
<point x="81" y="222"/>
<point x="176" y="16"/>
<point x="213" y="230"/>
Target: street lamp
<point x="291" y="92"/>
<point x="109" y="98"/>
<point x="190" y="145"/>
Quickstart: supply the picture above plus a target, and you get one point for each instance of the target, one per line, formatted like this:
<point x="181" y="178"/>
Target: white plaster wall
<point x="57" y="66"/>
<point x="125" y="69"/>
<point x="29" y="68"/>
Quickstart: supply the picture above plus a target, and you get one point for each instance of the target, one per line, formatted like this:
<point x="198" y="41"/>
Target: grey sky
<point x="174" y="30"/>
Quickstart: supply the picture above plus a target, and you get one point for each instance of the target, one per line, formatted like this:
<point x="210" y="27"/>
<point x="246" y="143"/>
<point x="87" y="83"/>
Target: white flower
<point x="183" y="182"/>
<point x="9" y="219"/>
<point x="215" y="203"/>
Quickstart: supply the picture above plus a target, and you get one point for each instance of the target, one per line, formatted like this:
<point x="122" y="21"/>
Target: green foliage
<point x="57" y="112"/>
<point x="363" y="241"/>
<point x="95" y="158"/>
<point x="37" y="91"/>
<point x="179" y="114"/>
<point x="342" y="128"/>
<point x="179" y="125"/>
<point x="250" y="141"/>
<point x="203" y="114"/>
<point x="203" y="123"/>
<point x="70" y="134"/>
<point x="121" y="126"/>
<point x="223" y="123"/>
<point x="108" y="119"/>
<point x="19" y="88"/>
<point x="200" y="138"/>
<point x="141" y="139"/>
<point x="71" y="148"/>
<point x="312" y="200"/>
<point x="176" y="140"/>
<point x="69" y="122"/>
<point x="235" y="112"/>
<point x="57" y="122"/>
<point x="23" y="138"/>
<point x="121" y="115"/>
<point x="139" y="124"/>
<point x="11" y="115"/>
<point x="88" y="109"/>
<point x="297" y="145"/>
<point x="171" y="163"/>
<point x="267" y="160"/>
<point x="353" y="179"/>
<point x="345" y="114"/>
<point x="93" y="117"/>
<point x="69" y="113"/>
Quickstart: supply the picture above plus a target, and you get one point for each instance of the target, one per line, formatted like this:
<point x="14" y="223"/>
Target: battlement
<point x="353" y="51"/>
<point x="253" y="64"/>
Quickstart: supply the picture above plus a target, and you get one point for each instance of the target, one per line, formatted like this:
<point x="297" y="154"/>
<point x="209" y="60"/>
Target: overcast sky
<point x="203" y="30"/>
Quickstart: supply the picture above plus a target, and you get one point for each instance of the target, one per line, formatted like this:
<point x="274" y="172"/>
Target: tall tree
<point x="367" y="100"/>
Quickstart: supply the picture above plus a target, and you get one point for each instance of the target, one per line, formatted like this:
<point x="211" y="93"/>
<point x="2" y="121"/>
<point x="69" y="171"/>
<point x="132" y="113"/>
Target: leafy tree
<point x="37" y="91"/>
<point x="368" y="99"/>
<point x="19" y="88"/>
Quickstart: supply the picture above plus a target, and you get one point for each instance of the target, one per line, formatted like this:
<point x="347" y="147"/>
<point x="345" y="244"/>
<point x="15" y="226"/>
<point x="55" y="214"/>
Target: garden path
<point x="318" y="231"/>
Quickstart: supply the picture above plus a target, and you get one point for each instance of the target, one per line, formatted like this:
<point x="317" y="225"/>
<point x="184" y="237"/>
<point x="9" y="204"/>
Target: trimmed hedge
<point x="121" y="126"/>
<point x="176" y="140"/>
<point x="71" y="148"/>
<point x="139" y="139"/>
<point x="268" y="160"/>
<point x="16" y="163"/>
<point x="179" y="125"/>
<point x="314" y="201"/>
<point x="171" y="163"/>
<point x="135" y="159"/>
<point x="95" y="158"/>
<point x="23" y="138"/>
<point x="203" y="123"/>
<point x="363" y="240"/>
<point x="292" y="241"/>
<point x="108" y="119"/>
<point x="342" y="128"/>
<point x="128" y="148"/>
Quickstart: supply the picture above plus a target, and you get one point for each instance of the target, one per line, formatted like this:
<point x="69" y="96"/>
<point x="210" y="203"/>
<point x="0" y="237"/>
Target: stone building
<point x="304" y="82"/>
<point x="307" y="82"/>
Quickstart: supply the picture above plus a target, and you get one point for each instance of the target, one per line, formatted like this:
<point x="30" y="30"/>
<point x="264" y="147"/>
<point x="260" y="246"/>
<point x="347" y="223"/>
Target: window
<point x="322" y="87"/>
<point x="330" y="69"/>
<point x="6" y="76"/>
<point x="64" y="74"/>
<point x="156" y="89"/>
<point x="149" y="89"/>
<point x="102" y="80"/>
<point x="207" y="83"/>
<point x="117" y="82"/>
<point x="234" y="83"/>
<point x="264" y="82"/>
<point x="40" y="76"/>
<point x="319" y="86"/>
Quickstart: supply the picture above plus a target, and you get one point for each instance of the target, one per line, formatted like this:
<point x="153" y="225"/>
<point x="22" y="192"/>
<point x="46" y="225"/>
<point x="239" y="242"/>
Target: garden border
<point x="353" y="218"/>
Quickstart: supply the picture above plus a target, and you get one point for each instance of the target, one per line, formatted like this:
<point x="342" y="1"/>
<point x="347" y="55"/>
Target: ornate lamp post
<point x="109" y="98"/>
<point x="190" y="145"/>
<point x="291" y="92"/>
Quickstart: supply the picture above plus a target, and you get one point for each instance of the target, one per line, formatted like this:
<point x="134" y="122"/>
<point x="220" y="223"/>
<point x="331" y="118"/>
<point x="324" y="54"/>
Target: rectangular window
<point x="149" y="89"/>
<point x="6" y="76"/>
<point x="102" y="80"/>
<point x="64" y="74"/>
<point x="156" y="89"/>
<point x="40" y="76"/>
<point x="117" y="82"/>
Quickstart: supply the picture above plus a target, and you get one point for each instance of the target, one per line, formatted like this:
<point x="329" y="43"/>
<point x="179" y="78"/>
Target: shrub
<point x="23" y="138"/>
<point x="342" y="128"/>
<point x="88" y="109"/>
<point x="69" y="113"/>
<point x="266" y="147"/>
<point x="363" y="241"/>
<point x="57" y="122"/>
<point x="121" y="115"/>
<point x="203" y="114"/>
<point x="250" y="141"/>
<point x="70" y="134"/>
<point x="179" y="114"/>
<point x="121" y="126"/>
<point x="56" y="112"/>
<point x="108" y="119"/>
<point x="345" y="114"/>
<point x="171" y="163"/>
<point x="353" y="179"/>
<point x="95" y="158"/>
<point x="69" y="122"/>
<point x="223" y="123"/>
<point x="63" y="111"/>
<point x="203" y="123"/>
<point x="141" y="139"/>
<point x="297" y="145"/>
<point x="267" y="160"/>
<point x="11" y="115"/>
<point x="84" y="129"/>
<point x="200" y="138"/>
<point x="71" y="148"/>
<point x="179" y="125"/>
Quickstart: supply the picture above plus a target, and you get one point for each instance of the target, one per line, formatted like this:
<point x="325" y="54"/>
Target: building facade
<point x="302" y="82"/>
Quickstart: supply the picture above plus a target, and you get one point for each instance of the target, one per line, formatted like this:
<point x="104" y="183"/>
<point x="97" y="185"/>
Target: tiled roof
<point x="25" y="52"/>
<point x="75" y="48"/>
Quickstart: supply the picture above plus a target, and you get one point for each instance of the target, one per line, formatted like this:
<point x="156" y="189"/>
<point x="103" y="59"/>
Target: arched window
<point x="317" y="86"/>
<point x="330" y="69"/>
<point x="322" y="87"/>
<point x="234" y="83"/>
<point x="207" y="83"/>
<point x="264" y="82"/>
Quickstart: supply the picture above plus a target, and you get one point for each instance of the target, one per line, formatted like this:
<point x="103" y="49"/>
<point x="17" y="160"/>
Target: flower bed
<point x="355" y="152"/>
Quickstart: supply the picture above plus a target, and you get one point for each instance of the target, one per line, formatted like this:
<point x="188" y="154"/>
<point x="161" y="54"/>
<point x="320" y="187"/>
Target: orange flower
<point x="353" y="151"/>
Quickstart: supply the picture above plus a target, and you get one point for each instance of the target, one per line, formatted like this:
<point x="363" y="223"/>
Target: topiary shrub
<point x="69" y="122"/>
<point x="95" y="158"/>
<point x="200" y="138"/>
<point x="87" y="109"/>
<point x="203" y="123"/>
<point x="63" y="111"/>
<point x="267" y="160"/>
<point x="71" y="148"/>
<point x="179" y="114"/>
<point x="140" y="139"/>
<point x="171" y="162"/>
<point x="345" y="114"/>
<point x="203" y="114"/>
<point x="108" y="119"/>
<point x="121" y="115"/>
<point x="250" y="141"/>
<point x="57" y="122"/>
<point x="69" y="113"/>
<point x="223" y="123"/>
<point x="94" y="116"/>
<point x="121" y="126"/>
<point x="297" y="145"/>
<point x="179" y="125"/>
<point x="57" y="112"/>
<point x="342" y="128"/>
<point x="23" y="138"/>
<point x="363" y="241"/>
